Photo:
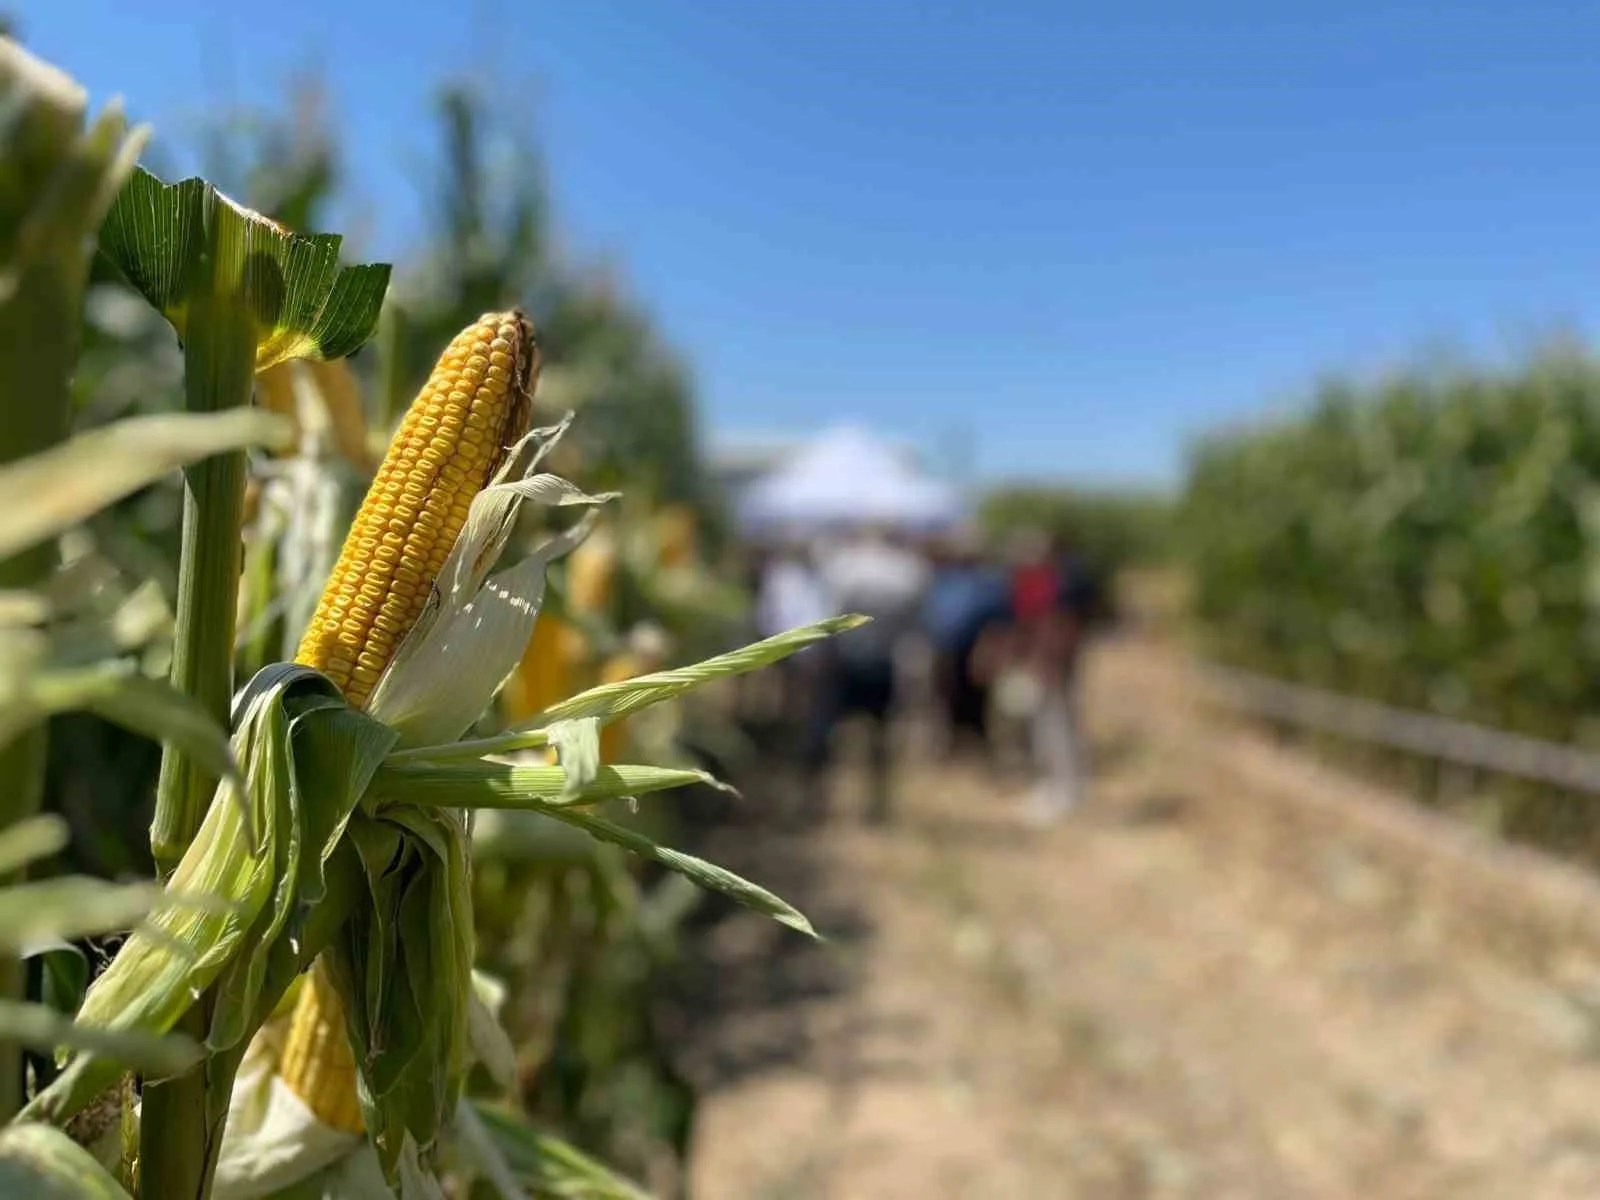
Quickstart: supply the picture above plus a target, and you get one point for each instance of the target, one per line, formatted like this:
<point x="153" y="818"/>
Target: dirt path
<point x="1232" y="975"/>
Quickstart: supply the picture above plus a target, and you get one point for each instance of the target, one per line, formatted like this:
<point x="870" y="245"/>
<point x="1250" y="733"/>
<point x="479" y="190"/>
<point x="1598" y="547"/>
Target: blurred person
<point x="1055" y="600"/>
<point x="789" y="594"/>
<point x="968" y="596"/>
<point x="871" y="573"/>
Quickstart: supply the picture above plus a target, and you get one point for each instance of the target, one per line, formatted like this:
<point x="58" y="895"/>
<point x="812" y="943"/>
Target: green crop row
<point x="1429" y="540"/>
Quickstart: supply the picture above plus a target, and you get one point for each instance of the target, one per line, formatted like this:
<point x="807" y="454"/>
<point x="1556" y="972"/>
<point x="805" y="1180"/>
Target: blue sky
<point x="1062" y="237"/>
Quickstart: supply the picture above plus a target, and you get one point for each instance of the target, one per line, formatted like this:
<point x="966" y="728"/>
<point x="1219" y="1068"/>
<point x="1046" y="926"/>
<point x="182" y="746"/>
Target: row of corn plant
<point x="312" y="941"/>
<point x="1429" y="540"/>
<point x="597" y="920"/>
<point x="636" y="595"/>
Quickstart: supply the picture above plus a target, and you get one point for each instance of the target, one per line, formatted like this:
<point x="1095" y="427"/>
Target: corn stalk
<point x="55" y="180"/>
<point x="243" y="294"/>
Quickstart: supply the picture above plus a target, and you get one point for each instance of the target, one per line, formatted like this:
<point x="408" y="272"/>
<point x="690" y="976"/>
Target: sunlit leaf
<point x="30" y="840"/>
<point x="185" y="243"/>
<point x="613" y="701"/>
<point x="52" y="491"/>
<point x="69" y="907"/>
<point x="502" y="785"/>
<point x="42" y="1028"/>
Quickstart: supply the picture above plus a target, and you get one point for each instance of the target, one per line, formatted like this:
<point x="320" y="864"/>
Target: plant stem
<point x="178" y="1141"/>
<point x="219" y="363"/>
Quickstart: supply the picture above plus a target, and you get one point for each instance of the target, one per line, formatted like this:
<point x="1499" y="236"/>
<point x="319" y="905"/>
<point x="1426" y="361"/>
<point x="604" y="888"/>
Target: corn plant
<point x="71" y="634"/>
<point x="342" y="838"/>
<point x="311" y="942"/>
<point x="1429" y="541"/>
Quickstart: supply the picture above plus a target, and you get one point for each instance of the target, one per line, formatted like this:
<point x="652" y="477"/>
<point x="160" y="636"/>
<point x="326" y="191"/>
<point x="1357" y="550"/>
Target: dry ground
<point x="1233" y="974"/>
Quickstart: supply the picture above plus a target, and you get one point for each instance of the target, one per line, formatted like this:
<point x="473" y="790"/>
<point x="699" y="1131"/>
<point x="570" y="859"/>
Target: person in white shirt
<point x="792" y="593"/>
<point x="789" y="594"/>
<point x="868" y="573"/>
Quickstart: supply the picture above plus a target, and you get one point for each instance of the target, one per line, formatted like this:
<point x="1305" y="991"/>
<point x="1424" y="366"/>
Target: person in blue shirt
<point x="969" y="595"/>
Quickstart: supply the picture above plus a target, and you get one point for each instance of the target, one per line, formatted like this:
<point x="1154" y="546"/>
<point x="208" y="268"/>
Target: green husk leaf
<point x="335" y="751"/>
<point x="402" y="967"/>
<point x="577" y="744"/>
<point x="500" y="785"/>
<point x="612" y="701"/>
<point x="52" y="491"/>
<point x="185" y="946"/>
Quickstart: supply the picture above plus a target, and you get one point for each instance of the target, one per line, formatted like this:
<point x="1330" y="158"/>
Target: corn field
<point x="340" y="723"/>
<point x="1431" y="541"/>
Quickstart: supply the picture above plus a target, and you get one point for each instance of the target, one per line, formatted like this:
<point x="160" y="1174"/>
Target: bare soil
<point x="1234" y="973"/>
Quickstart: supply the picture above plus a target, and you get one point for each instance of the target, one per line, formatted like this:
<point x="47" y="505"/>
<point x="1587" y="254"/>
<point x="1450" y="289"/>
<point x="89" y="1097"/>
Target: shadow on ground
<point x="748" y="984"/>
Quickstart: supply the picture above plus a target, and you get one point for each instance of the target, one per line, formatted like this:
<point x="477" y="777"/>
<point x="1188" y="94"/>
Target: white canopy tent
<point x="848" y="477"/>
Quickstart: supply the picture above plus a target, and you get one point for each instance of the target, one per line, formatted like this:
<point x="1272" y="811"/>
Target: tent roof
<point x="848" y="476"/>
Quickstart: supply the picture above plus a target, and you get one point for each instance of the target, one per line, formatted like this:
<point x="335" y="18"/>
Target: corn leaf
<point x="707" y="875"/>
<point x="612" y="701"/>
<point x="491" y="1044"/>
<point x="41" y="1028"/>
<point x="546" y="1165"/>
<point x="180" y="244"/>
<point x="500" y="785"/>
<point x="238" y="860"/>
<point x="30" y="840"/>
<point x="158" y="710"/>
<point x="115" y="689"/>
<point x="69" y="907"/>
<point x="47" y="493"/>
<point x="64" y="974"/>
<point x="59" y="179"/>
<point x="42" y="1163"/>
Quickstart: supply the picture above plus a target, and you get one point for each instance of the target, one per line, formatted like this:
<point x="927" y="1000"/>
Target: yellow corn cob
<point x="675" y="536"/>
<point x="317" y="1062"/>
<point x="478" y="401"/>
<point x="541" y="678"/>
<point x="591" y="570"/>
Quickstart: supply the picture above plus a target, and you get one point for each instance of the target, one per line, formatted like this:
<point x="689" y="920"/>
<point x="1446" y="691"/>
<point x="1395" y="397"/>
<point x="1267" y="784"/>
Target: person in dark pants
<point x="968" y="596"/>
<point x="873" y="575"/>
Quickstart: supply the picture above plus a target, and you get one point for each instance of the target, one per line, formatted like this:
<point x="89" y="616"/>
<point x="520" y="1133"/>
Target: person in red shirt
<point x="1053" y="598"/>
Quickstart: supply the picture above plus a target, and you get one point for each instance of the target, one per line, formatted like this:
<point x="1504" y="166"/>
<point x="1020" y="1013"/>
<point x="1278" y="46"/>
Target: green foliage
<point x="1432" y="541"/>
<point x="488" y="245"/>
<point x="1111" y="529"/>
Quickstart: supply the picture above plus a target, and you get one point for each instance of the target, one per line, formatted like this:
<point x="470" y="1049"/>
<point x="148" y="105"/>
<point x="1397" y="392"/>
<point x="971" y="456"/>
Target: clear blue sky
<point x="1070" y="235"/>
